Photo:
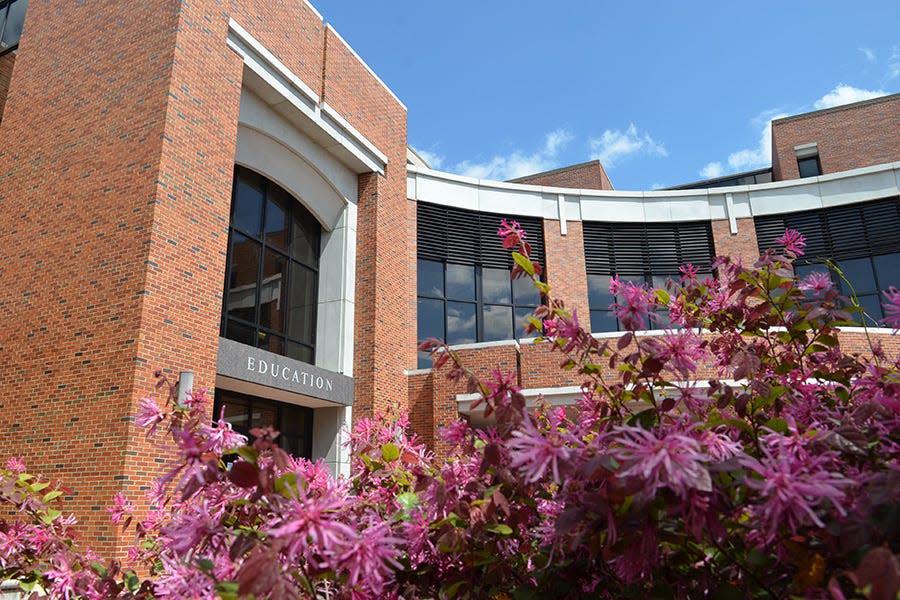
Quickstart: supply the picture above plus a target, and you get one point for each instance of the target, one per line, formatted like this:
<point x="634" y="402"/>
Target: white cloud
<point x="518" y="163"/>
<point x="894" y="63"/>
<point x="433" y="159"/>
<point x="846" y="94"/>
<point x="614" y="145"/>
<point x="712" y="170"/>
<point x="868" y="53"/>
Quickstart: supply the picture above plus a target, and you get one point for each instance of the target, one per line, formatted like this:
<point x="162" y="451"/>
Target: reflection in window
<point x="480" y="304"/>
<point x="643" y="253"/>
<point x="12" y="18"/>
<point x="861" y="239"/>
<point x="246" y="412"/>
<point x="272" y="274"/>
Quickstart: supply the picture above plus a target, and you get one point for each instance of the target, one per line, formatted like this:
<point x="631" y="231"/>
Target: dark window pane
<point x="524" y="292"/>
<point x="495" y="286"/>
<point x="430" y="278"/>
<point x="802" y="271"/>
<point x="423" y="360"/>
<point x="241" y="299"/>
<point x="859" y="273"/>
<point x="460" y="323"/>
<point x="603" y="321"/>
<point x="809" y="167"/>
<point x="430" y="319"/>
<point x="300" y="352"/>
<point x="522" y="315"/>
<point x="263" y="414"/>
<point x="12" y="30"/>
<point x="294" y="445"/>
<point x="272" y="294"/>
<point x="660" y="281"/>
<point x="871" y="304"/>
<point x="271" y="342"/>
<point x="237" y="412"/>
<point x="497" y="323"/>
<point x="276" y="229"/>
<point x="302" y="307"/>
<point x="461" y="282"/>
<point x="306" y="236"/>
<point x="240" y="333"/>
<point x="294" y="419"/>
<point x="598" y="292"/>
<point x="887" y="267"/>
<point x="248" y="202"/>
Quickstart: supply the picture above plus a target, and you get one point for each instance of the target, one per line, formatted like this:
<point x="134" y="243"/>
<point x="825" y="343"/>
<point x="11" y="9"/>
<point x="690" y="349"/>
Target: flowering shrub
<point x="779" y="477"/>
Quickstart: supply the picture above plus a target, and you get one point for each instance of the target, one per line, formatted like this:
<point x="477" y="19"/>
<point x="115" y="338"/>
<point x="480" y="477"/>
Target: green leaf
<point x="52" y="515"/>
<point x="227" y="590"/>
<point x="98" y="568"/>
<point x="390" y="452"/>
<point x="777" y="424"/>
<point x="450" y="591"/>
<point x="662" y="296"/>
<point x="286" y="485"/>
<point x="133" y="582"/>
<point x="37" y="487"/>
<point x="407" y="501"/>
<point x="646" y="418"/>
<point x="523" y="262"/>
<point x="248" y="453"/>
<point x="205" y="565"/>
<point x="50" y="496"/>
<point x="500" y="528"/>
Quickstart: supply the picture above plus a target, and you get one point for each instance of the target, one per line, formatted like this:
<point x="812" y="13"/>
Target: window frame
<point x="5" y="8"/>
<point x="813" y="159"/>
<point x="221" y="399"/>
<point x="286" y="254"/>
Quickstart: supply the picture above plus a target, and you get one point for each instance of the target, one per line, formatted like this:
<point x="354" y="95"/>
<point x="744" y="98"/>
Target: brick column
<point x="565" y="269"/>
<point x="741" y="245"/>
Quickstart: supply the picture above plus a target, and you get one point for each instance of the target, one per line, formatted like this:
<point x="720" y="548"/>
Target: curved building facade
<point x="227" y="194"/>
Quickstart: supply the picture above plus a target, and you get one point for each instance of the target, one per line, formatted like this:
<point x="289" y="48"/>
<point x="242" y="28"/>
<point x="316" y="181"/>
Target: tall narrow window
<point x="644" y="253"/>
<point x="12" y="18"/>
<point x="860" y="239"/>
<point x="271" y="283"/>
<point x="808" y="160"/>
<point x="465" y="294"/>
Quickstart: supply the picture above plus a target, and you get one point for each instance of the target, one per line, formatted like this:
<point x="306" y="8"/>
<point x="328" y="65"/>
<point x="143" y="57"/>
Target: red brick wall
<point x="741" y="245"/>
<point x="565" y="268"/>
<point x="848" y="137"/>
<point x="289" y="29"/>
<point x="385" y="341"/>
<point x="589" y="175"/>
<point x="81" y="144"/>
<point x="421" y="406"/>
<point x="6" y="70"/>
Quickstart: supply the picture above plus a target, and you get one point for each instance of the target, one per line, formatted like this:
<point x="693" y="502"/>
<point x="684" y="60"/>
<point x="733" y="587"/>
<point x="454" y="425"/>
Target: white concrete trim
<point x="874" y="330"/>
<point x="848" y="187"/>
<point x="414" y="372"/>
<point x="329" y="27"/>
<point x="561" y="209"/>
<point x="315" y="11"/>
<point x="283" y="87"/>
<point x="479" y="345"/>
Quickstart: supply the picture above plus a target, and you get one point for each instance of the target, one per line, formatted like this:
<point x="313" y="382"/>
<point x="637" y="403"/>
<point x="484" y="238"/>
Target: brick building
<point x="224" y="190"/>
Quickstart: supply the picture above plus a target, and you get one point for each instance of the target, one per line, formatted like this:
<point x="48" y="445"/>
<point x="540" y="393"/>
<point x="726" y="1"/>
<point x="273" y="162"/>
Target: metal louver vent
<point x="638" y="248"/>
<point x="469" y="237"/>
<point x="839" y="233"/>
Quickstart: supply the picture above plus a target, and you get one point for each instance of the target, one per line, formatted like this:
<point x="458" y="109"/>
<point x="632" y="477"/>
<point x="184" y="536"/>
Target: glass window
<point x="430" y="278"/>
<point x="272" y="276"/>
<point x="887" y="269"/>
<point x="498" y="323"/>
<point x="12" y="18"/>
<point x="245" y="412"/>
<point x="460" y="282"/>
<point x="461" y="325"/>
<point x="809" y="167"/>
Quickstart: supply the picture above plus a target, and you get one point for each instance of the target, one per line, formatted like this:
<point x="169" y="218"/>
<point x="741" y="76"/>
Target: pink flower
<point x="121" y="507"/>
<point x="793" y="242"/>
<point x="892" y="308"/>
<point x="792" y="488"/>
<point x="149" y="415"/>
<point x="682" y="349"/>
<point x="674" y="461"/>
<point x="633" y="305"/>
<point x="534" y="453"/>
<point x="816" y="282"/>
<point x="511" y="232"/>
<point x="688" y="273"/>
<point x="220" y="437"/>
<point x="565" y="329"/>
<point x="719" y="446"/>
<point x="15" y="464"/>
<point x="368" y="559"/>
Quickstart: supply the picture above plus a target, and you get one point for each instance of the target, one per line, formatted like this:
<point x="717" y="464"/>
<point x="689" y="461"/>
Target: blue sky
<point x="662" y="92"/>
